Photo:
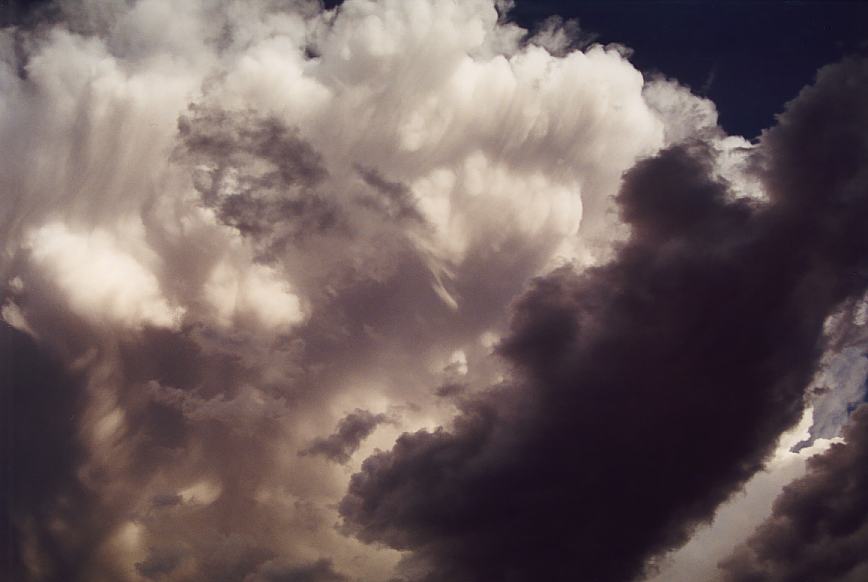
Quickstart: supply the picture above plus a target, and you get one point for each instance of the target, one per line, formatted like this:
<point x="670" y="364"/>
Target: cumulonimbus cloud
<point x="233" y="232"/>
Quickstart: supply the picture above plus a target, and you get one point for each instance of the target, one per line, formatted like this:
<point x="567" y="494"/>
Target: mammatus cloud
<point x="235" y="231"/>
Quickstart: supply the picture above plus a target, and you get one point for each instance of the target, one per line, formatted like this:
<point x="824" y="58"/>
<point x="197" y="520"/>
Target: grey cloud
<point x="158" y="563"/>
<point x="395" y="199"/>
<point x="165" y="500"/>
<point x="258" y="174"/>
<point x="348" y="436"/>
<point x="450" y="390"/>
<point x="319" y="571"/>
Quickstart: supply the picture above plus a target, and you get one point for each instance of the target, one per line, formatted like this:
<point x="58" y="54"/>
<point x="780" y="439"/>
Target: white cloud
<point x="100" y="281"/>
<point x="252" y="292"/>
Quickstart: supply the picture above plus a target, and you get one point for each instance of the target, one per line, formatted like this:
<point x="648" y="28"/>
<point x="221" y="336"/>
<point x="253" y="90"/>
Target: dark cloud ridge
<point x="648" y="390"/>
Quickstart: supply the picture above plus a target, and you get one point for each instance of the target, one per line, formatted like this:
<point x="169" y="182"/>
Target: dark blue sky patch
<point x="747" y="57"/>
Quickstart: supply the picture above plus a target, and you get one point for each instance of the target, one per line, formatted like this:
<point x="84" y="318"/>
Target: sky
<point x="748" y="57"/>
<point x="433" y="291"/>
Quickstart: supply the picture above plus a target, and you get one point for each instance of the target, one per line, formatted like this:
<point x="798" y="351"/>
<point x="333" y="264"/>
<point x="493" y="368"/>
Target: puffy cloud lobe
<point x="818" y="529"/>
<point x="252" y="292"/>
<point x="647" y="390"/>
<point x="101" y="281"/>
<point x="687" y="116"/>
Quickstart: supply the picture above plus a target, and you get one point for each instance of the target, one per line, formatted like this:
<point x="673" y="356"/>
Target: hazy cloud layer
<point x="245" y="246"/>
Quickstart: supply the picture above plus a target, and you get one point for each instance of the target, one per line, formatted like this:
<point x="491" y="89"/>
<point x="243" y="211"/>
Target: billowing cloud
<point x="232" y="232"/>
<point x="649" y="389"/>
<point x="100" y="281"/>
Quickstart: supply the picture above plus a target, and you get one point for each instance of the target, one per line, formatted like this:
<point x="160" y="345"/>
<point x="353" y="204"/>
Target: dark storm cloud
<point x="351" y="431"/>
<point x="818" y="529"/>
<point x="646" y="391"/>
